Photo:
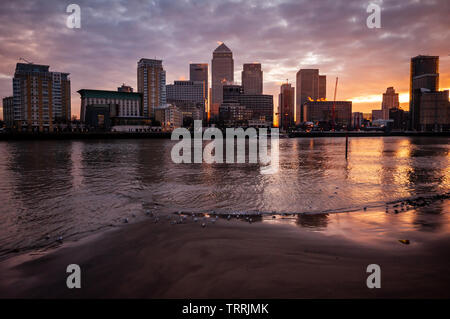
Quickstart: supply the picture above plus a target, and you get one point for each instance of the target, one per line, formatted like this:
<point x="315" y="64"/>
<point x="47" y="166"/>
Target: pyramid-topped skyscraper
<point x="222" y="73"/>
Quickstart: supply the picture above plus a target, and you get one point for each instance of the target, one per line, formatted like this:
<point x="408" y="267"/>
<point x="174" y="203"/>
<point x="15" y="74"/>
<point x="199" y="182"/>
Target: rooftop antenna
<point x="23" y="59"/>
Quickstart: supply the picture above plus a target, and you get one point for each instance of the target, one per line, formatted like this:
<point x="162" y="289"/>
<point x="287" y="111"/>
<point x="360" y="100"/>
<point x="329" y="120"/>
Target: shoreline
<point x="236" y="259"/>
<point x="23" y="136"/>
<point x="398" y="206"/>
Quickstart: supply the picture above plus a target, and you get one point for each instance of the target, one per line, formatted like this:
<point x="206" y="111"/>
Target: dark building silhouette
<point x="8" y="111"/>
<point x="316" y="111"/>
<point x="424" y="74"/>
<point x="252" y="78"/>
<point x="222" y="73"/>
<point x="310" y="85"/>
<point x="400" y="118"/>
<point x="261" y="105"/>
<point x="286" y="106"/>
<point x="198" y="72"/>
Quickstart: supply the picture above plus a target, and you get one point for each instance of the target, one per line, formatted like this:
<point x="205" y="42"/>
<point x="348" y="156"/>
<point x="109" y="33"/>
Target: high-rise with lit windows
<point x="41" y="98"/>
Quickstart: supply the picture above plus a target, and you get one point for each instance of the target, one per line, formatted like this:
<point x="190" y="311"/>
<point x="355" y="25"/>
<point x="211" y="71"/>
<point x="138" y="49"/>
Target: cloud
<point x="283" y="35"/>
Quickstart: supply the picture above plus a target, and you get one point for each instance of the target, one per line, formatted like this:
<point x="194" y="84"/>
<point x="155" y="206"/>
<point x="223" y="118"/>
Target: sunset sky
<point x="282" y="35"/>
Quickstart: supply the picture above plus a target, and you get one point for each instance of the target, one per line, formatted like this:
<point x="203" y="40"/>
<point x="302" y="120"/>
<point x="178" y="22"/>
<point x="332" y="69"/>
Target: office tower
<point x="390" y="100"/>
<point x="286" y="106"/>
<point x="151" y="79"/>
<point x="357" y="119"/>
<point x="310" y="85"/>
<point x="8" y="111"/>
<point x="322" y="87"/>
<point x="315" y="111"/>
<point x="125" y="88"/>
<point x="199" y="72"/>
<point x="189" y="97"/>
<point x="222" y="73"/>
<point x="424" y="73"/>
<point x="252" y="78"/>
<point x="429" y="107"/>
<point x="41" y="98"/>
<point x="261" y="105"/>
<point x="185" y="91"/>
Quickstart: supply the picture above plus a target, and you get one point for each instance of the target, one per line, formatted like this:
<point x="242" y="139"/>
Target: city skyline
<point x="103" y="53"/>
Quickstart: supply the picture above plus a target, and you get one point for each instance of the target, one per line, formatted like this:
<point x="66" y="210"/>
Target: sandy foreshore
<point x="233" y="259"/>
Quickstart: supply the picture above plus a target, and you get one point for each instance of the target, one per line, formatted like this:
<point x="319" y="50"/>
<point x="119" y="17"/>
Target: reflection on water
<point x="75" y="187"/>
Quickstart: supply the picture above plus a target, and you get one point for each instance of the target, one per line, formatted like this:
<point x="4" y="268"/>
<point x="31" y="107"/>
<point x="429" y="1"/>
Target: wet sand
<point x="232" y="259"/>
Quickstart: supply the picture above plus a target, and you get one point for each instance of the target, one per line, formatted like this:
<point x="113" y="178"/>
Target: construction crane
<point x="25" y="60"/>
<point x="334" y="106"/>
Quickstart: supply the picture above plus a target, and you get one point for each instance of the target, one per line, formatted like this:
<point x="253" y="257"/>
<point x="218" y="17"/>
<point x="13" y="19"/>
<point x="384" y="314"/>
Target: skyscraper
<point x="286" y="106"/>
<point x="424" y="74"/>
<point x="252" y="78"/>
<point x="222" y="73"/>
<point x="310" y="85"/>
<point x="198" y="72"/>
<point x="151" y="79"/>
<point x="41" y="98"/>
<point x="390" y="101"/>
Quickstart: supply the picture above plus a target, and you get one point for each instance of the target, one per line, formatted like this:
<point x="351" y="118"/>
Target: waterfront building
<point x="41" y="98"/>
<point x="315" y="111"/>
<point x="169" y="116"/>
<point x="122" y="104"/>
<point x="151" y="79"/>
<point x="434" y="106"/>
<point x="429" y="107"/>
<point x="424" y="73"/>
<point x="400" y="118"/>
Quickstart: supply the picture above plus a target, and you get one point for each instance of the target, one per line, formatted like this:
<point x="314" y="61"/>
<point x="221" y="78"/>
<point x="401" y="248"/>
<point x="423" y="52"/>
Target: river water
<point x="73" y="188"/>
